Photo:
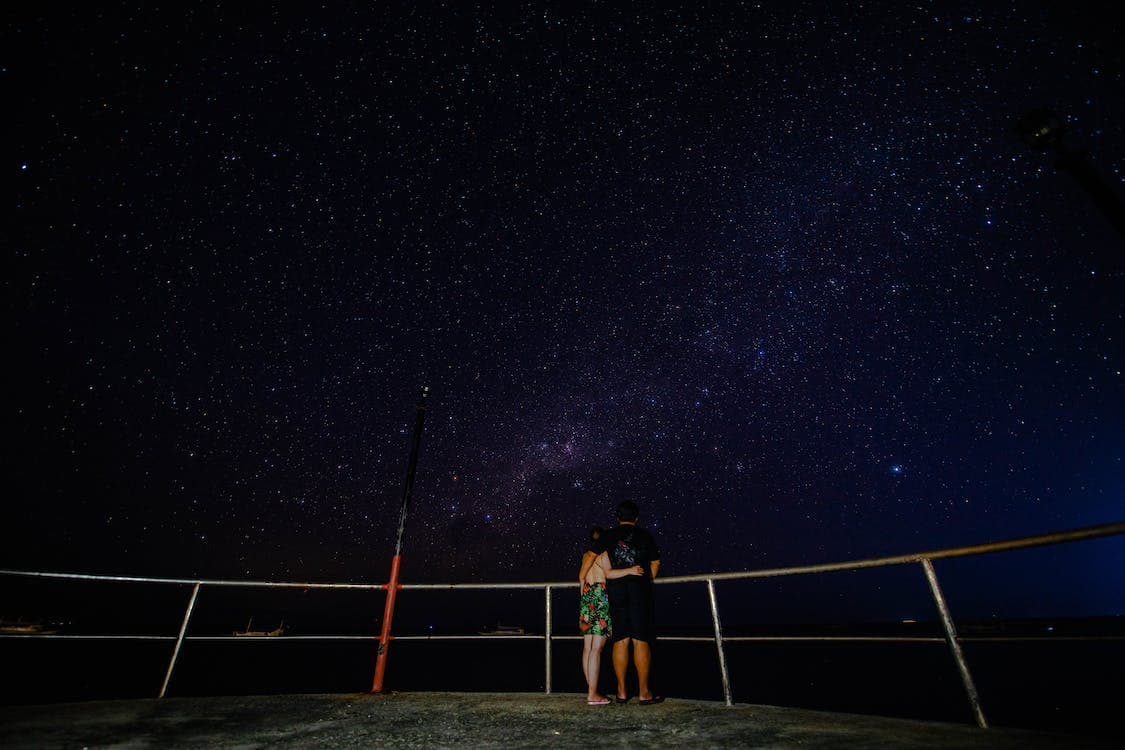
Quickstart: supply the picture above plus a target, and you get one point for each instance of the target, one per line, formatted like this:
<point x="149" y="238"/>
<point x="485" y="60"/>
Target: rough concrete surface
<point x="477" y="720"/>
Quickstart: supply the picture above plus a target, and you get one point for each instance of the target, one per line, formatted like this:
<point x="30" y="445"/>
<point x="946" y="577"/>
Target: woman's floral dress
<point x="593" y="610"/>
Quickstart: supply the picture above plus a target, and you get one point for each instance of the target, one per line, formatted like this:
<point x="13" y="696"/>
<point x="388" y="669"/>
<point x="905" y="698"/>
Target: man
<point x="630" y="598"/>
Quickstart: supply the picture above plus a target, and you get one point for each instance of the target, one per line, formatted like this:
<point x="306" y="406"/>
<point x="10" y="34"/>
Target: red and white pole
<point x="392" y="586"/>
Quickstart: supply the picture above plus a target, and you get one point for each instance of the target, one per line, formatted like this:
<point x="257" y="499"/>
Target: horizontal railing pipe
<point x="191" y="581"/>
<point x="1089" y="532"/>
<point x="92" y="637"/>
<point x="1059" y="537"/>
<point x="489" y="586"/>
<point x="677" y="638"/>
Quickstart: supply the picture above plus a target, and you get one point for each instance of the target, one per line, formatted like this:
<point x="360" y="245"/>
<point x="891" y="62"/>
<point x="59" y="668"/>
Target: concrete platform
<point x="478" y="720"/>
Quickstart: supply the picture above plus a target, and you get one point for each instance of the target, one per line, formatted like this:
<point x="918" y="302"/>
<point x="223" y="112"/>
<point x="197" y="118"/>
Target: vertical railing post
<point x="547" y="639"/>
<point x="954" y="643"/>
<point x="719" y="641"/>
<point x="179" y="640"/>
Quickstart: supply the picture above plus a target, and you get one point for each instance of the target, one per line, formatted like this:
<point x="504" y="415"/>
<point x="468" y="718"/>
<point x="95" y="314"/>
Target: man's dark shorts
<point x="631" y="608"/>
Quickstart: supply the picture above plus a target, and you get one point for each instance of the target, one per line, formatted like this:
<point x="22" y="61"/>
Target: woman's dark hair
<point x="595" y="532"/>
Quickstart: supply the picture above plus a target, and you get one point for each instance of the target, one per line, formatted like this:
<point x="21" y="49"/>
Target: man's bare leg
<point x="642" y="657"/>
<point x="621" y="665"/>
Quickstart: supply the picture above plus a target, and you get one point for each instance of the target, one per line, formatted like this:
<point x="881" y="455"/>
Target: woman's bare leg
<point x="586" y="639"/>
<point x="593" y="666"/>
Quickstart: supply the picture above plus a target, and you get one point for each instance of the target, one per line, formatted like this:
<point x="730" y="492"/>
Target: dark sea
<point x="1050" y="679"/>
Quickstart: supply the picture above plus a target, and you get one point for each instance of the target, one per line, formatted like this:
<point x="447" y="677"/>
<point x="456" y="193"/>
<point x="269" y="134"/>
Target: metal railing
<point x="924" y="559"/>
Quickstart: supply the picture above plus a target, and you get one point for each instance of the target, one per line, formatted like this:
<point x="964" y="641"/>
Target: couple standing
<point x="616" y="576"/>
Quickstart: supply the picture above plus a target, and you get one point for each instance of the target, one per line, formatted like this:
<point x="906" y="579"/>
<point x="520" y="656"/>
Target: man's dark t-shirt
<point x="627" y="546"/>
<point x="630" y="597"/>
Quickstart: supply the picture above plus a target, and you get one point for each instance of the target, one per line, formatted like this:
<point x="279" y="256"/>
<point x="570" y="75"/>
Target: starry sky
<point x="779" y="272"/>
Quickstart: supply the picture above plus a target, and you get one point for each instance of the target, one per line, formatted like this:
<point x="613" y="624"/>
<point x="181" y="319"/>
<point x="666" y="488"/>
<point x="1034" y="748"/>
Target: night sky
<point x="781" y="273"/>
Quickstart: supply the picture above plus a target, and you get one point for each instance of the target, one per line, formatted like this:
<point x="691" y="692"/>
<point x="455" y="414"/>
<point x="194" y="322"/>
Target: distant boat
<point x="503" y="630"/>
<point x="19" y="627"/>
<point x="260" y="633"/>
<point x="987" y="627"/>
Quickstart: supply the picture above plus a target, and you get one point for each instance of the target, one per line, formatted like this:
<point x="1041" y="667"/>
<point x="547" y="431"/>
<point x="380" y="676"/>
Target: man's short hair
<point x="628" y="511"/>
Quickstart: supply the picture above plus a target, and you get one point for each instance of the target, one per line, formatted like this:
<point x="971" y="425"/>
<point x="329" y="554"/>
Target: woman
<point x="593" y="614"/>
